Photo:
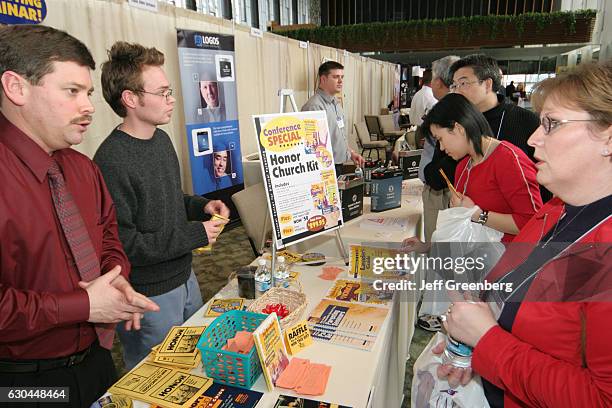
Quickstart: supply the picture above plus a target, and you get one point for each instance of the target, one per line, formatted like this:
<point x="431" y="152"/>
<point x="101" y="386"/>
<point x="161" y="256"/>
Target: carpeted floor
<point x="212" y="269"/>
<point x="233" y="250"/>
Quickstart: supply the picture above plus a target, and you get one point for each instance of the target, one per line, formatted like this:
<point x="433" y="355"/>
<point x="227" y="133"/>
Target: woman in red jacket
<point x="550" y="344"/>
<point x="494" y="175"/>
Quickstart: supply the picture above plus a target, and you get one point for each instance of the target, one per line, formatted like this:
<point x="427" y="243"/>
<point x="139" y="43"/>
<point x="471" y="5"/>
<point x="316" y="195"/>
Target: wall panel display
<point x="208" y="81"/>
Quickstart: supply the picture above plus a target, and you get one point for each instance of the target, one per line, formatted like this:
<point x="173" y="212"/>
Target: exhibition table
<point x="359" y="379"/>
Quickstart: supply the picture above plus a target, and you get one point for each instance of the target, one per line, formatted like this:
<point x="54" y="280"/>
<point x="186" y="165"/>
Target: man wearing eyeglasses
<point x="159" y="226"/>
<point x="478" y="78"/>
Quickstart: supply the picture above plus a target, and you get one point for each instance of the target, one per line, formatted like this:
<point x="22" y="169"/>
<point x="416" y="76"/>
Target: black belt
<point x="34" y="366"/>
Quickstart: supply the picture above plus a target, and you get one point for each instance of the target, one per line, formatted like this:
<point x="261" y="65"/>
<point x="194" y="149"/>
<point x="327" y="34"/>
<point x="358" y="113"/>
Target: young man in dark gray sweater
<point x="159" y="225"/>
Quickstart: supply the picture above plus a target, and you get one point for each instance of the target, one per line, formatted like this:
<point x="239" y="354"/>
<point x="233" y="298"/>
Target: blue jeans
<point x="175" y="307"/>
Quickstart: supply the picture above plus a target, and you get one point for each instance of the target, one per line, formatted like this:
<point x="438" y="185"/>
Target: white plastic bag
<point x="455" y="225"/>
<point x="467" y="240"/>
<point x="428" y="391"/>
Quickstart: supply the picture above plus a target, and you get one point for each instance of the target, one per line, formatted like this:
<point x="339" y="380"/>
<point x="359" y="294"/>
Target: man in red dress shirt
<point x="56" y="311"/>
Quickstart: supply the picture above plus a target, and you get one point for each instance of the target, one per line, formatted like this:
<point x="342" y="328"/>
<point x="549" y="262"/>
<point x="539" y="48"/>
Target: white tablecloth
<point x="359" y="379"/>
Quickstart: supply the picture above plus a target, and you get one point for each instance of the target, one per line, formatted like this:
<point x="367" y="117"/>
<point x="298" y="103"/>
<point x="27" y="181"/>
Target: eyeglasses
<point x="165" y="93"/>
<point x="457" y="85"/>
<point x="549" y="124"/>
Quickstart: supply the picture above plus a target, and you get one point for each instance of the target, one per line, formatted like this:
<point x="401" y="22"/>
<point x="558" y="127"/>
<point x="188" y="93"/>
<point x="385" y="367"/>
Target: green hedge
<point x="414" y="29"/>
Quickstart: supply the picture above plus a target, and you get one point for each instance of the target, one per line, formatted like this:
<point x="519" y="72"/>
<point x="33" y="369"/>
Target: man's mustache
<point x="81" y="119"/>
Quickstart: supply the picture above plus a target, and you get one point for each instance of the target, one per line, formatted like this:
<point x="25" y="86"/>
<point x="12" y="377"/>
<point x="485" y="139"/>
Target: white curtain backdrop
<point x="263" y="66"/>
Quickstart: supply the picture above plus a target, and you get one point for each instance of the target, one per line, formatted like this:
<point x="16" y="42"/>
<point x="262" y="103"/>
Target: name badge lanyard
<point x="468" y="167"/>
<point x="501" y="122"/>
<point x="497" y="300"/>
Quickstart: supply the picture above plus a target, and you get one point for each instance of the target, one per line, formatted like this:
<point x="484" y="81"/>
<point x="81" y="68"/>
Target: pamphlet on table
<point x="366" y="263"/>
<point x="271" y="349"/>
<point x="357" y="291"/>
<point x="181" y="341"/>
<point x="352" y="319"/>
<point x="180" y="362"/>
<point x="286" y="401"/>
<point x="162" y="385"/>
<point x="219" y="306"/>
<point x="225" y="396"/>
<point x="330" y="337"/>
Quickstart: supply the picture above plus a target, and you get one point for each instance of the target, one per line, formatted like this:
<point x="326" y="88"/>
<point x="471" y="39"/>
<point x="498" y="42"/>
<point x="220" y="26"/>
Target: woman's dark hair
<point x="455" y="108"/>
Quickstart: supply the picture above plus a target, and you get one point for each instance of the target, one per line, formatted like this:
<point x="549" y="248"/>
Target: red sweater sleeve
<point x="516" y="177"/>
<point x="538" y="379"/>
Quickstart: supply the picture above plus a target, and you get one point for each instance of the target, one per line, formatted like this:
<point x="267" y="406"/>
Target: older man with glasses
<point x="478" y="78"/>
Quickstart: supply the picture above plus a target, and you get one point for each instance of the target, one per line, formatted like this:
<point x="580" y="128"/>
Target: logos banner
<point x="208" y="78"/>
<point x="298" y="168"/>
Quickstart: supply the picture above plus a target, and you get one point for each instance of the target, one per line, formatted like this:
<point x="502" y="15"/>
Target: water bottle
<point x="281" y="273"/>
<point x="263" y="278"/>
<point x="457" y="354"/>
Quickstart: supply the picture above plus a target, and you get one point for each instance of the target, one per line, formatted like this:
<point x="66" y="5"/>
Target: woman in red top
<point x="495" y="176"/>
<point x="548" y="345"/>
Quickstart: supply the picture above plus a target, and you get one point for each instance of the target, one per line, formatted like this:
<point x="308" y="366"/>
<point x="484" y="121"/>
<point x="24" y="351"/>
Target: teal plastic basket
<point x="224" y="366"/>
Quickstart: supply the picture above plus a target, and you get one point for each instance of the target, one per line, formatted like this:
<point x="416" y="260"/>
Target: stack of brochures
<point x="170" y="387"/>
<point x="165" y="386"/>
<point x="179" y="348"/>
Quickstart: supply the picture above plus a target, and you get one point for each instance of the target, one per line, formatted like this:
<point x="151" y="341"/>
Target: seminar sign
<point x="298" y="170"/>
<point x="22" y="11"/>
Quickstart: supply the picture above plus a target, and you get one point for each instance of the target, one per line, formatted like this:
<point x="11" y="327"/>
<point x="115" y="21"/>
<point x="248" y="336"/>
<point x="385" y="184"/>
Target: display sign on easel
<point x="298" y="171"/>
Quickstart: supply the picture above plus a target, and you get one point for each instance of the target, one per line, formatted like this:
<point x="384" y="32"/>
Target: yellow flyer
<point x="219" y="306"/>
<point x="359" y="291"/>
<point x="161" y="385"/>
<point x="181" y="342"/>
<point x="180" y="362"/>
<point x="367" y="263"/>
